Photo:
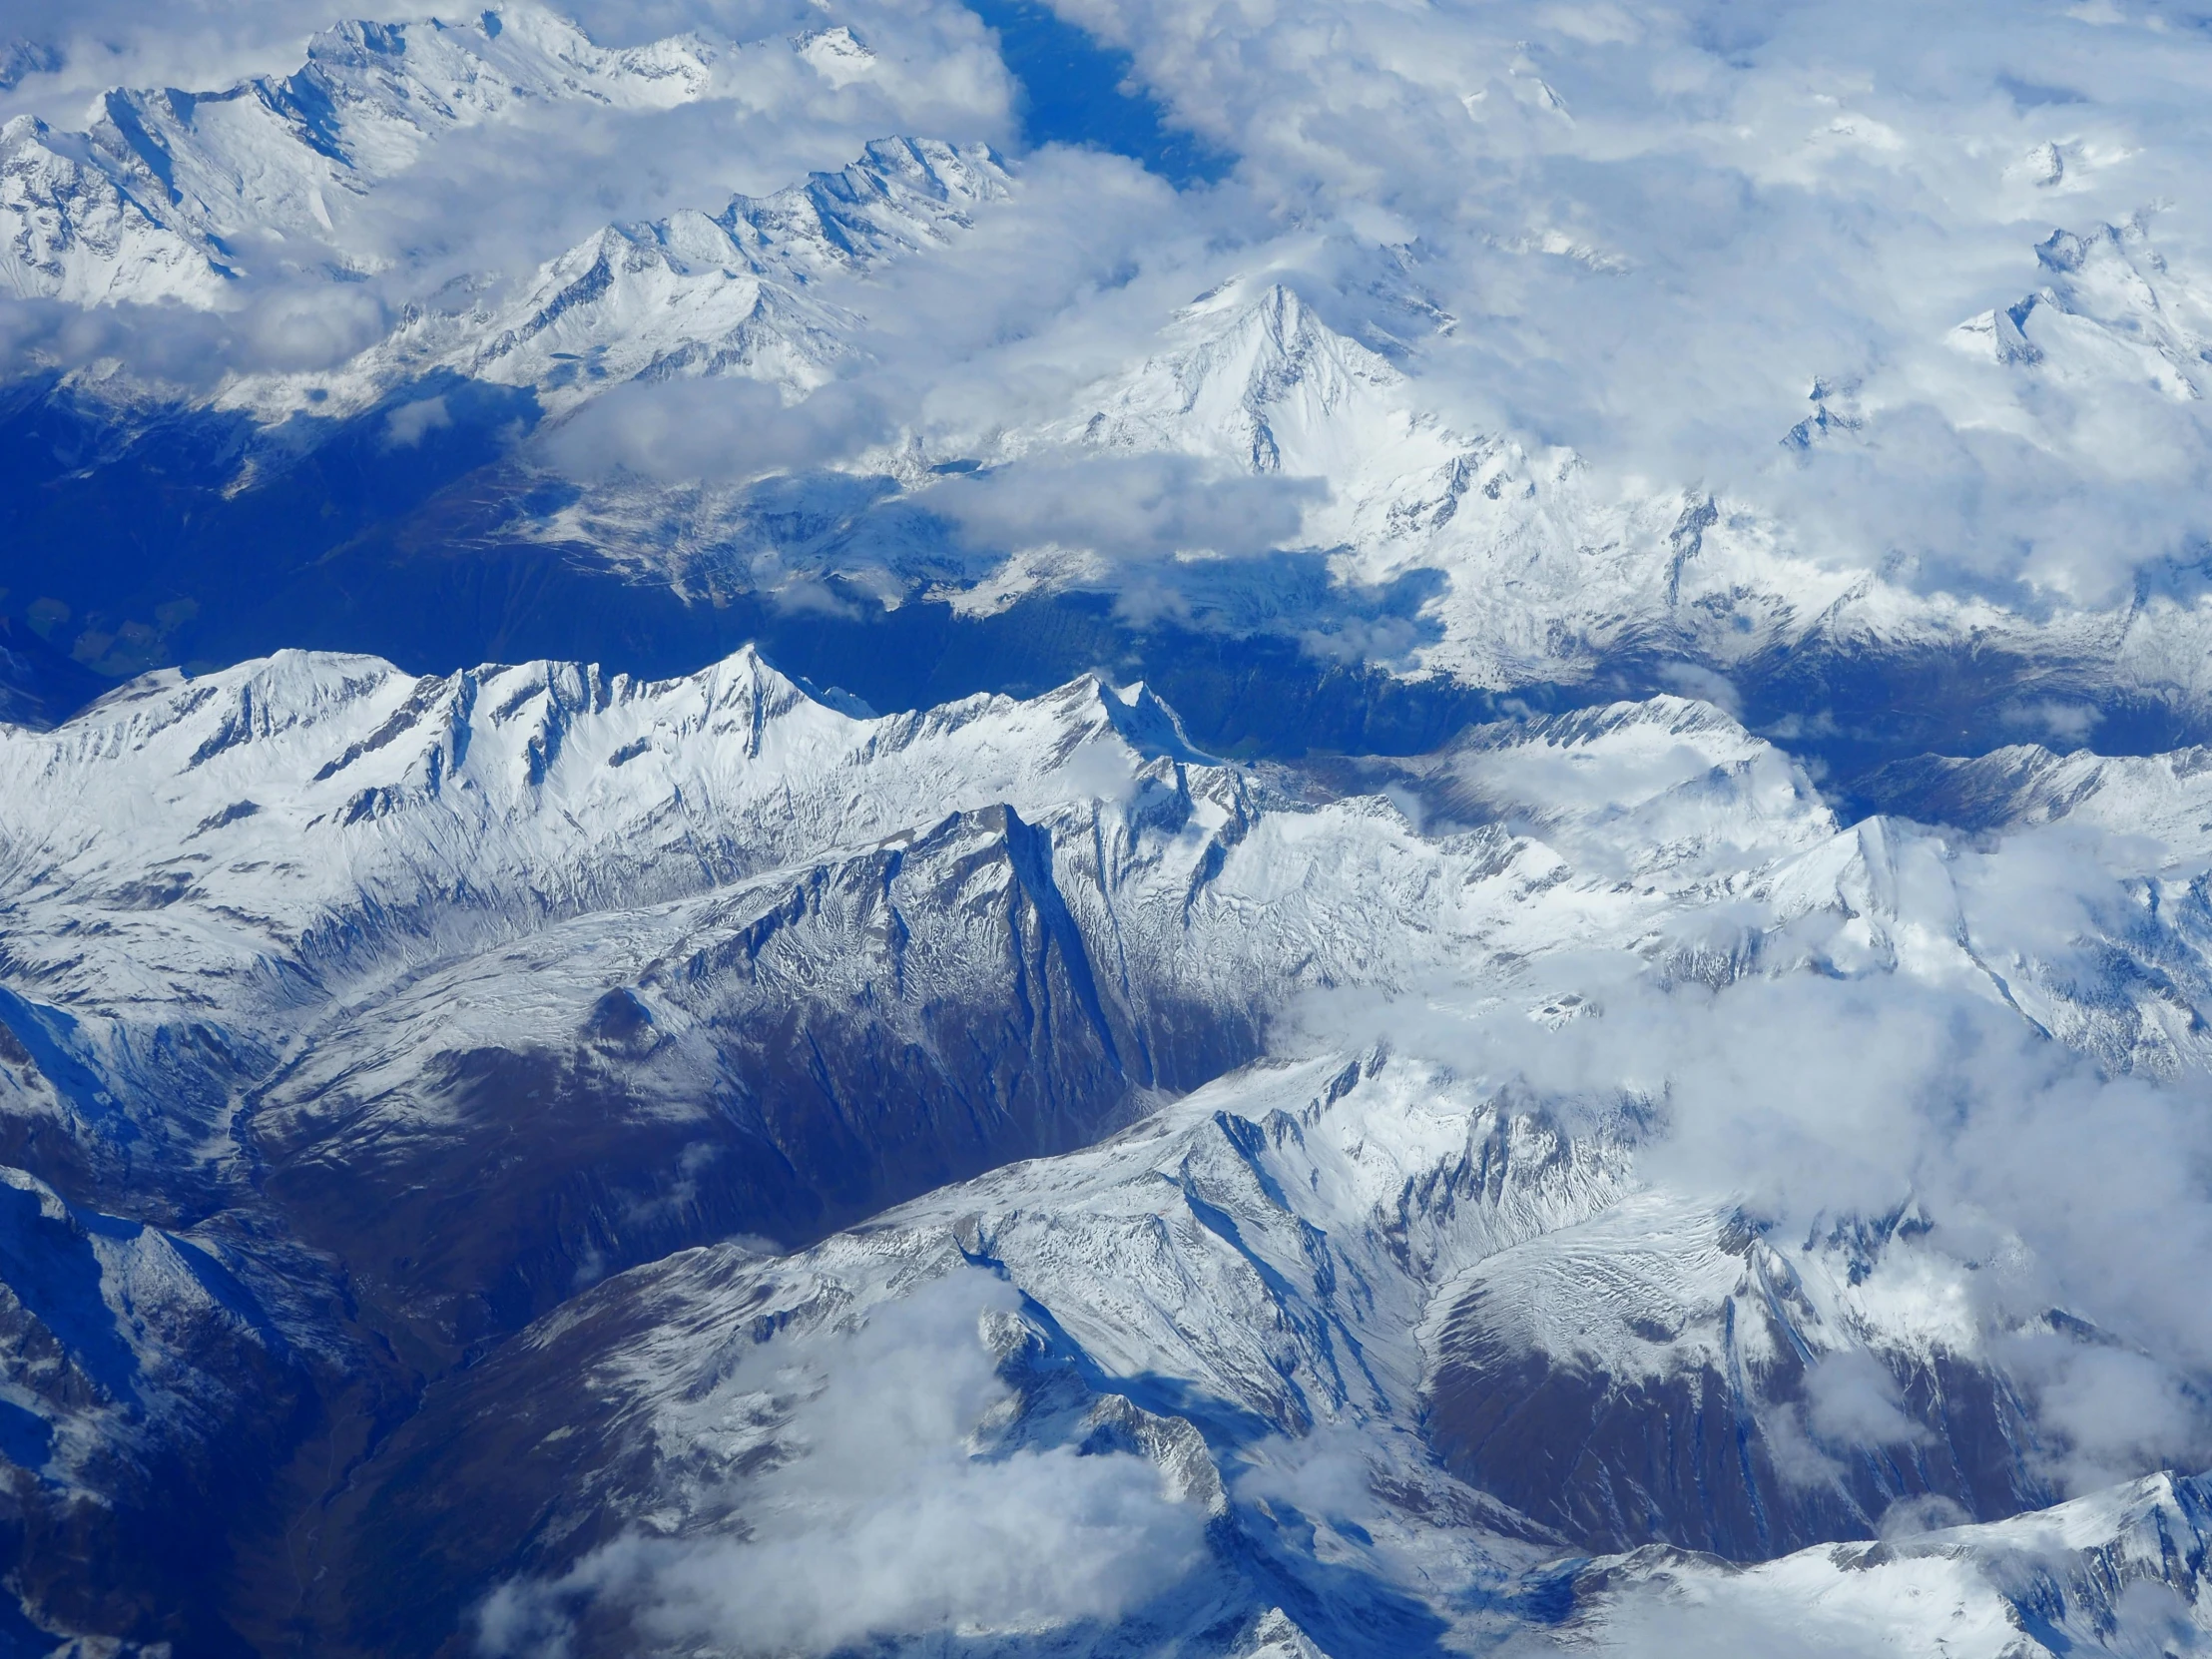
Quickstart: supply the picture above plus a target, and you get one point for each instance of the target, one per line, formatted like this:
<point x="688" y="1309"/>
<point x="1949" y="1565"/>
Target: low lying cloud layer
<point x="1825" y="1102"/>
<point x="889" y="1518"/>
<point x="1932" y="290"/>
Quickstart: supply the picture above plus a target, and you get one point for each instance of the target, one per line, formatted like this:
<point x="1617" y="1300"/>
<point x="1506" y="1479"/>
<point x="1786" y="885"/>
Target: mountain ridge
<point x="749" y="964"/>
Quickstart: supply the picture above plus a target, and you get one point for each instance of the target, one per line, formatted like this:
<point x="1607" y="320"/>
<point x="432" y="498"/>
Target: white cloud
<point x="1743" y="204"/>
<point x="1852" y="1400"/>
<point x="89" y="46"/>
<point x="479" y="205"/>
<point x="407" y="425"/>
<point x="1837" y="1086"/>
<point x="713" y="429"/>
<point x="893" y="1518"/>
<point x="1132" y="507"/>
<point x="1780" y="196"/>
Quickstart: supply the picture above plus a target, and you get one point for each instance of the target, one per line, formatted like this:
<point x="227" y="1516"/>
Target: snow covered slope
<point x="1472" y="557"/>
<point x="170" y="195"/>
<point x="455" y="997"/>
<point x="2120" y="1571"/>
<point x="688" y="296"/>
<point x="1239" y="1290"/>
<point x="1553" y="571"/>
<point x="1395" y="535"/>
<point x="454" y="820"/>
<point x="1624" y="1071"/>
<point x="187" y="197"/>
<point x="2164" y="797"/>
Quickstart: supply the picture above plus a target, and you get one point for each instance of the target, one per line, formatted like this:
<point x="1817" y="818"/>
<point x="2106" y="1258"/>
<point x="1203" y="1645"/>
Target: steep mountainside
<point x="171" y="195"/>
<point x="401" y="1012"/>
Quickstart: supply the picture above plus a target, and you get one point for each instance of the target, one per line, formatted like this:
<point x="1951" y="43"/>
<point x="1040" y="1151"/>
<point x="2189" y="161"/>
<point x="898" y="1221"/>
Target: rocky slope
<point x="550" y="1024"/>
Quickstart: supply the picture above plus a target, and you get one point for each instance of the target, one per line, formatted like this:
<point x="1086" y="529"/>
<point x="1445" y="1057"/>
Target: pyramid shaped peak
<point x="1263" y="302"/>
<point x="1139" y="717"/>
<point x="1264" y="325"/>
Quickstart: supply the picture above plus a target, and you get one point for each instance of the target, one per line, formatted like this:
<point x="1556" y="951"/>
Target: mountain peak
<point x="1248" y="375"/>
<point x="1146" y="722"/>
<point x="152" y="201"/>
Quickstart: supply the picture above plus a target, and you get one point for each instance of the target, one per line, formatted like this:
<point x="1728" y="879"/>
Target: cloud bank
<point x="1833" y="1090"/>
<point x="890" y="1513"/>
<point x="1931" y="292"/>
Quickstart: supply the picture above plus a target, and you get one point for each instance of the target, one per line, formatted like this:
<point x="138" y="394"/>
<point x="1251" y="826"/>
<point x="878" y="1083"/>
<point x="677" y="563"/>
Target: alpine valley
<point x="904" y="830"/>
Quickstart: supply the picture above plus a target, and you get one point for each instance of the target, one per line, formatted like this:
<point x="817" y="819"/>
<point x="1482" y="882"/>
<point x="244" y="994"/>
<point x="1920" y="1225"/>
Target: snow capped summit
<point x="289" y="837"/>
<point x="691" y="295"/>
<point x="1484" y="558"/>
<point x="1247" y="375"/>
<point x="307" y="942"/>
<point x="2110" y="310"/>
<point x="73" y="231"/>
<point x="175" y="195"/>
<point x="551" y="772"/>
<point x="2166" y="797"/>
<point x="168" y="193"/>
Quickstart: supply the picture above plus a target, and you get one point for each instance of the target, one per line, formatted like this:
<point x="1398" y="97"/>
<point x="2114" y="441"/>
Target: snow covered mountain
<point x="443" y="999"/>
<point x="1465" y="559"/>
<point x="1549" y="573"/>
<point x="1371" y="528"/>
<point x="169" y="194"/>
<point x="1444" y="889"/>
<point x="688" y="296"/>
<point x="182" y="198"/>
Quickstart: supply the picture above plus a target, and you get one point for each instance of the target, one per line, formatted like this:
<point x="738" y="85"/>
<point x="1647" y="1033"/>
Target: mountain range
<point x="1248" y="1011"/>
<point x="423" y="1046"/>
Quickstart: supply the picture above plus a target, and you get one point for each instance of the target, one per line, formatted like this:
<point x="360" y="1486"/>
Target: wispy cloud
<point x="887" y="1512"/>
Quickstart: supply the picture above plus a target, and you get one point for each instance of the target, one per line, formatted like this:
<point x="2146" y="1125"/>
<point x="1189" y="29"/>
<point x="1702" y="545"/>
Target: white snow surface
<point x="2114" y="1572"/>
<point x="308" y="838"/>
<point x="141" y="207"/>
